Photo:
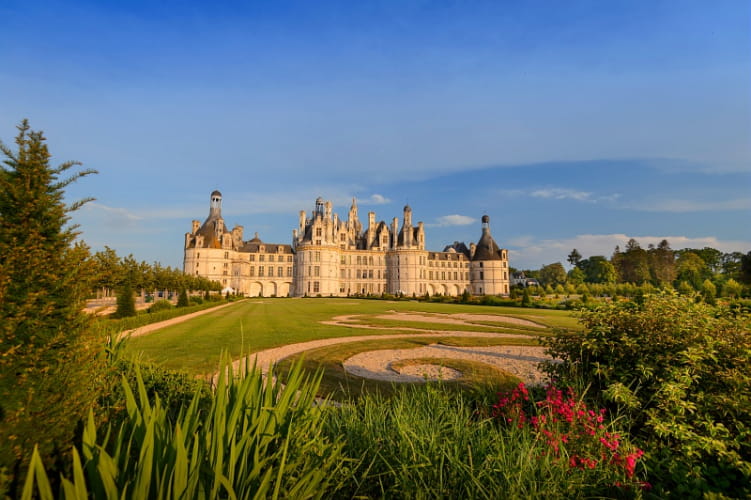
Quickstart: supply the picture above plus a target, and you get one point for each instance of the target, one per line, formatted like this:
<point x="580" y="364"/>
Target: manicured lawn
<point x="257" y="324"/>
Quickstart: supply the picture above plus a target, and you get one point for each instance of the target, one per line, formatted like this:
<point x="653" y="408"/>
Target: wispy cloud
<point x="560" y="193"/>
<point x="375" y="199"/>
<point x="114" y="216"/>
<point x="453" y="220"/>
<point x="684" y="206"/>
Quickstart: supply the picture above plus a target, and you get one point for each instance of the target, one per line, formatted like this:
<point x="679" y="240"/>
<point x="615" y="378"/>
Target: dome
<point x="407" y="208"/>
<point x="485" y="219"/>
<point x="216" y="193"/>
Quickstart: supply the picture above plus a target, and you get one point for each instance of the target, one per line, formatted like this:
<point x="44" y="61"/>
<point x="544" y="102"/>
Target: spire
<point x="216" y="204"/>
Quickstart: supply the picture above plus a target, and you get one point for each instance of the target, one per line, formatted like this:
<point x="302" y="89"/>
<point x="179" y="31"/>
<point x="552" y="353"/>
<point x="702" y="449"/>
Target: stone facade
<point x="334" y="257"/>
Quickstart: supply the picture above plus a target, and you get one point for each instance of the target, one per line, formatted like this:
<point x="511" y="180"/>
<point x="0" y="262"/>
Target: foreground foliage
<point x="47" y="377"/>
<point x="425" y="442"/>
<point x="258" y="439"/>
<point x="680" y="372"/>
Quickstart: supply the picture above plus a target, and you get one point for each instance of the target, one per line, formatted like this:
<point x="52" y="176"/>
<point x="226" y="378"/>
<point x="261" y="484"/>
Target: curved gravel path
<point x="520" y="361"/>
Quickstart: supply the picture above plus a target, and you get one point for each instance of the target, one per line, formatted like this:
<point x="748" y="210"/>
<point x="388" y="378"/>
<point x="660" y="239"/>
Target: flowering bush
<point x="678" y="371"/>
<point x="571" y="432"/>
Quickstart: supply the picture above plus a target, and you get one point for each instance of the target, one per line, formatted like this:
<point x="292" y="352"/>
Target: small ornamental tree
<point x="182" y="299"/>
<point x="126" y="303"/>
<point x="45" y="277"/>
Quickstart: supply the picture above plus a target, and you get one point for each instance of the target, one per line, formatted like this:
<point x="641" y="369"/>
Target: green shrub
<point x="126" y="302"/>
<point x="160" y="305"/>
<point x="679" y="370"/>
<point x="182" y="298"/>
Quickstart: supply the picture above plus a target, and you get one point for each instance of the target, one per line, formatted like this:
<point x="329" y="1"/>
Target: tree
<point x="662" y="264"/>
<point x="632" y="264"/>
<point x="126" y="303"/>
<point x="732" y="289"/>
<point x="553" y="274"/>
<point x="182" y="299"/>
<point x="575" y="276"/>
<point x="574" y="257"/>
<point x="745" y="276"/>
<point x="691" y="268"/>
<point x="45" y="277"/>
<point x="708" y="292"/>
<point x="597" y="269"/>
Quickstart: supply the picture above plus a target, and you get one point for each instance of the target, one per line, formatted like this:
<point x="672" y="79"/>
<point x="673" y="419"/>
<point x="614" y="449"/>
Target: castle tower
<point x="216" y="205"/>
<point x="209" y="248"/>
<point x="316" y="254"/>
<point x="489" y="267"/>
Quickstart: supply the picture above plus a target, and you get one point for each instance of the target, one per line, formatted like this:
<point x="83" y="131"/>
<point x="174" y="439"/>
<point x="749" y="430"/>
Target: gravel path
<point x="520" y="361"/>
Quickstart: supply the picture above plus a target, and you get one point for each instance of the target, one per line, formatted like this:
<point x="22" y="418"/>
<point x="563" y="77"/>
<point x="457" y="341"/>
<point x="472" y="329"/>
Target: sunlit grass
<point x="258" y="324"/>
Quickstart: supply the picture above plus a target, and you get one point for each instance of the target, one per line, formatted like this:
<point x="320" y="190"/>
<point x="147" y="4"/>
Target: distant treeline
<point x="659" y="266"/>
<point x="113" y="272"/>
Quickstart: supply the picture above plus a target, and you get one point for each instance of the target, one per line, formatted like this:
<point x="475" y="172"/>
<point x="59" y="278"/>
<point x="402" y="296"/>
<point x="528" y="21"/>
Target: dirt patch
<point x="424" y="372"/>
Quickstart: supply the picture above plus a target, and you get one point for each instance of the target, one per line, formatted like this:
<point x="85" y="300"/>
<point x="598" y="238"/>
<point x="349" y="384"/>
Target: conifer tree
<point x="126" y="303"/>
<point x="182" y="299"/>
<point x="45" y="277"/>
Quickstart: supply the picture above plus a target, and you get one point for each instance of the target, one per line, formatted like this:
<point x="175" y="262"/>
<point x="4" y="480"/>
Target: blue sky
<point x="576" y="124"/>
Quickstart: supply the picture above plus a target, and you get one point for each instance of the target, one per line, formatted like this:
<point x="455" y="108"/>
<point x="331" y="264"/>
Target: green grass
<point x="257" y="324"/>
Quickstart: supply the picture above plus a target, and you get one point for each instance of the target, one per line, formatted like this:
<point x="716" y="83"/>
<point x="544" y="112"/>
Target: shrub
<point x="182" y="298"/>
<point x="126" y="302"/>
<point x="680" y="371"/>
<point x="574" y="434"/>
<point x="160" y="305"/>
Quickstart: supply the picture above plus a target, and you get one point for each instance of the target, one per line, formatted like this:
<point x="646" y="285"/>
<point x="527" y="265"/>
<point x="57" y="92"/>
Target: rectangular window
<point x="289" y="271"/>
<point x="443" y="275"/>
<point x="260" y="271"/>
<point x="271" y="271"/>
<point x="252" y="270"/>
<point x="318" y="231"/>
<point x="289" y="258"/>
<point x="316" y="287"/>
<point x="430" y="275"/>
<point x="252" y="258"/>
<point x="226" y="255"/>
<point x="316" y="271"/>
<point x="317" y="257"/>
<point x="280" y="271"/>
<point x="370" y="274"/>
<point x="261" y="258"/>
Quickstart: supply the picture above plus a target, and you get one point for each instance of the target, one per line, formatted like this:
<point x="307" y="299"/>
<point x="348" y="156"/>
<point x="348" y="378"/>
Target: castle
<point x="334" y="257"/>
